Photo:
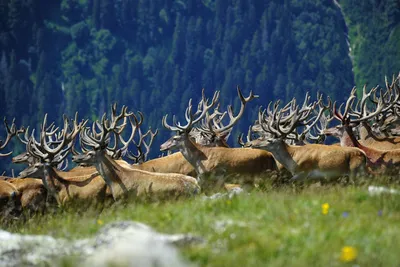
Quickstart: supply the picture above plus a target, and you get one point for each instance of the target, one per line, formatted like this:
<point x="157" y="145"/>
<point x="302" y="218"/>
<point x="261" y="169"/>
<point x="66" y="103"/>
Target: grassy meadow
<point x="313" y="225"/>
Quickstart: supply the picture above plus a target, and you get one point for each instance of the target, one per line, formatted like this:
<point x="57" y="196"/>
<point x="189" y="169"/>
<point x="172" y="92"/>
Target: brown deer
<point x="122" y="179"/>
<point x="307" y="161"/>
<point x="87" y="186"/>
<point x="370" y="136"/>
<point x="9" y="200"/>
<point x="225" y="164"/>
<point x="380" y="161"/>
<point x="387" y="124"/>
<point x="31" y="192"/>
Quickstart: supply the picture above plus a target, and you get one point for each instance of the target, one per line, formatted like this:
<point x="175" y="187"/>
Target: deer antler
<point x="213" y="124"/>
<point x="190" y="117"/>
<point x="142" y="156"/>
<point x="281" y="123"/>
<point x="56" y="155"/>
<point x="309" y="124"/>
<point x="11" y="132"/>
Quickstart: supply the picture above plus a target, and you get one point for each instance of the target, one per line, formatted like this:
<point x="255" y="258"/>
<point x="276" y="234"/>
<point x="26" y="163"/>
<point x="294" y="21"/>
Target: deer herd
<point x="284" y="139"/>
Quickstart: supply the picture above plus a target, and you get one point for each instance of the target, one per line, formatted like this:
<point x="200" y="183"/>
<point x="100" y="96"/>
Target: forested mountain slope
<point x="64" y="56"/>
<point x="374" y="33"/>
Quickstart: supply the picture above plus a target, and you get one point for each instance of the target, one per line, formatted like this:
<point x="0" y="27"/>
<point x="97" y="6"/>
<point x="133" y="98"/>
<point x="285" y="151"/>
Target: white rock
<point x="121" y="243"/>
<point x="377" y="190"/>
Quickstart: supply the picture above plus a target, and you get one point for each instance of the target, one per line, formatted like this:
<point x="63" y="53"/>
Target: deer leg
<point x="298" y="177"/>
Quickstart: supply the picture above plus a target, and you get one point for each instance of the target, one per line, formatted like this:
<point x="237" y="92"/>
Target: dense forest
<point x="82" y="55"/>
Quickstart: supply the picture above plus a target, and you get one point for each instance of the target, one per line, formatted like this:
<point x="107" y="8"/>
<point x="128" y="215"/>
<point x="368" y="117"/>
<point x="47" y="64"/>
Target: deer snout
<point x="81" y="158"/>
<point x="166" y="146"/>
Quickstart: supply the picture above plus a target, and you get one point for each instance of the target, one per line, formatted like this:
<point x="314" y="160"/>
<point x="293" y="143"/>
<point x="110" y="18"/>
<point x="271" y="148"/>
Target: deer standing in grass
<point x="307" y="161"/>
<point x="224" y="164"/>
<point x="122" y="179"/>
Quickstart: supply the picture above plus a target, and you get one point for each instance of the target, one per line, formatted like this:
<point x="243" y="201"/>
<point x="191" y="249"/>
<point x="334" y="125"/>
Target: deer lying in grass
<point x="122" y="179"/>
<point x="211" y="133"/>
<point x="381" y="161"/>
<point x="307" y="161"/>
<point x="387" y="124"/>
<point x="389" y="101"/>
<point x="9" y="194"/>
<point x="9" y="200"/>
<point x="225" y="164"/>
<point x="54" y="137"/>
<point x="63" y="189"/>
<point x="31" y="192"/>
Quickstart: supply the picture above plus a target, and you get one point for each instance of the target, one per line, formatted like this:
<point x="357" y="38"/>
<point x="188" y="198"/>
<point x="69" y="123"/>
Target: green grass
<point x="280" y="227"/>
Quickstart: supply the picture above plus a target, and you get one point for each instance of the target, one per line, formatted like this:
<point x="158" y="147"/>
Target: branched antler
<point x="11" y="132"/>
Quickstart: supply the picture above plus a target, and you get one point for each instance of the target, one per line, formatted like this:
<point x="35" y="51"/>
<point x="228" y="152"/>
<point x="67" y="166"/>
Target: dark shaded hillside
<point x="374" y="31"/>
<point x="63" y="56"/>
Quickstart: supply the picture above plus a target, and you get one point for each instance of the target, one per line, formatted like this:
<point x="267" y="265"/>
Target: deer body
<point x="32" y="192"/>
<point x="9" y="200"/>
<point x="174" y="163"/>
<point x="122" y="179"/>
<point x="66" y="187"/>
<point x="382" y="161"/>
<point x="315" y="160"/>
<point x="368" y="139"/>
<point x="89" y="187"/>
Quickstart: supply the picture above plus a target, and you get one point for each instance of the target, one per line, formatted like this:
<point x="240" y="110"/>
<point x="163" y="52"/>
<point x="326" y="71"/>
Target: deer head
<point x="279" y="125"/>
<point x="49" y="154"/>
<point x="182" y="131"/>
<point x="212" y="132"/>
<point x="96" y="144"/>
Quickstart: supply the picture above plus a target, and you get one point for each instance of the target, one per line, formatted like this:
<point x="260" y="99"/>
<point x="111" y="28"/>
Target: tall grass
<point x="283" y="226"/>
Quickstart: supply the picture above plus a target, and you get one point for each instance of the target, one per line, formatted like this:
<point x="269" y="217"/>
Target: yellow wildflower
<point x="100" y="222"/>
<point x="325" y="208"/>
<point x="348" y="254"/>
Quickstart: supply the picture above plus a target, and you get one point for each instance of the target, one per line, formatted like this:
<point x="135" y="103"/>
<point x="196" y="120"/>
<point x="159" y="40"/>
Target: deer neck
<point x="369" y="152"/>
<point x="112" y="173"/>
<point x="283" y="153"/>
<point x="51" y="182"/>
<point x="348" y="139"/>
<point x="194" y="154"/>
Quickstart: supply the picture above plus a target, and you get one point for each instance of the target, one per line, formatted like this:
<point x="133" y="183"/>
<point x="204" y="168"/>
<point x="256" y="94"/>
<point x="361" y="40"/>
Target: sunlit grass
<point x="280" y="227"/>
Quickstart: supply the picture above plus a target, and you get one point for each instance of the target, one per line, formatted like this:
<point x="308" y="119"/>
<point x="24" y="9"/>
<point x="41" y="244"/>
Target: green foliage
<point x="80" y="32"/>
<point x="374" y="32"/>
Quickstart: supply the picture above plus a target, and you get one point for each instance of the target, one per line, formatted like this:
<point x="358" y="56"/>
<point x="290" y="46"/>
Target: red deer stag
<point x="307" y="161"/>
<point x="224" y="164"/>
<point x="122" y="179"/>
